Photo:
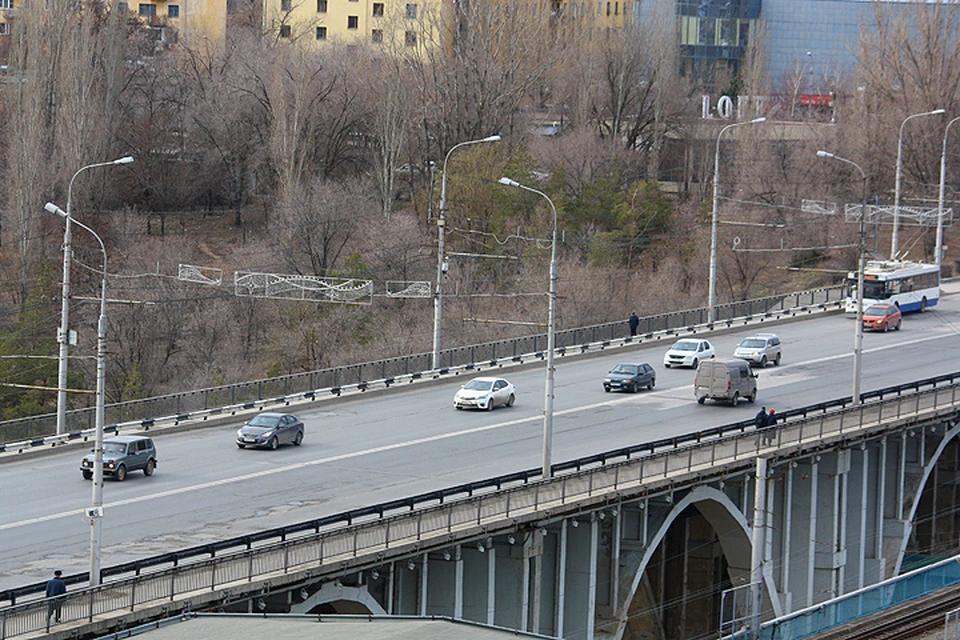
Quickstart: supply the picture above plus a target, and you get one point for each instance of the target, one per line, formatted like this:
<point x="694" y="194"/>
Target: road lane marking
<point x="661" y="394"/>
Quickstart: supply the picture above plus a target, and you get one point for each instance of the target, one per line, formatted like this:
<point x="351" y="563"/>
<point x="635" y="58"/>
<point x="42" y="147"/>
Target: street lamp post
<point x="96" y="502"/>
<point x="894" y="241"/>
<point x="861" y="260"/>
<point x="943" y="178"/>
<point x="441" y="233"/>
<point x="711" y="302"/>
<point x="551" y="333"/>
<point x="63" y="335"/>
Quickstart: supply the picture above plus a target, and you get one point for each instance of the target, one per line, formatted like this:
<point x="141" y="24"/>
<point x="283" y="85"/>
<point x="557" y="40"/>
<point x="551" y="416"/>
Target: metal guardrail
<point x="229" y="399"/>
<point x="366" y="535"/>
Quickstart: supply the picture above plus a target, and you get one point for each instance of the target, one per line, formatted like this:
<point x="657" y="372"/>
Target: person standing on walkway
<point x="634" y="322"/>
<point x="56" y="588"/>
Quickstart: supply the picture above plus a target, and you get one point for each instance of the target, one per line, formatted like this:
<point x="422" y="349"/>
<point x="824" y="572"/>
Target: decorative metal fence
<point x="182" y="405"/>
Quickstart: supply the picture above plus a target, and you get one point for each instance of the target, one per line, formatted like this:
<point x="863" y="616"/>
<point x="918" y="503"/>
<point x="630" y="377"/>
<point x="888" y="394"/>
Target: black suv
<point x="121" y="455"/>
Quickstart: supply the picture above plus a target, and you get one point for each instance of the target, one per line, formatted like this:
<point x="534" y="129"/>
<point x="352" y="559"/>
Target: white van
<point x="727" y="380"/>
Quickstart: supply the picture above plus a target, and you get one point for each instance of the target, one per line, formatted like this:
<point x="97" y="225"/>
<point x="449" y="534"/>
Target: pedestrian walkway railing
<point x="370" y="536"/>
<point x="17" y="435"/>
<point x="850" y="607"/>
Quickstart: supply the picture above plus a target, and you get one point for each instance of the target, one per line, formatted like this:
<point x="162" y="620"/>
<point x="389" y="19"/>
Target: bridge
<point x="640" y="539"/>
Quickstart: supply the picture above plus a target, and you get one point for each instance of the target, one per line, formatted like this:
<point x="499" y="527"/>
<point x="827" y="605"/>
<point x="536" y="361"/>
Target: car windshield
<point x="875" y="311"/>
<point x="114" y="447"/>
<point x="264" y="421"/>
<point x="753" y="343"/>
<point x="479" y="385"/>
<point x="685" y="345"/>
<point x="627" y="369"/>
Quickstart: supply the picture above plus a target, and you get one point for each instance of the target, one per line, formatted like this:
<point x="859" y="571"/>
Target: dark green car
<point x="630" y="377"/>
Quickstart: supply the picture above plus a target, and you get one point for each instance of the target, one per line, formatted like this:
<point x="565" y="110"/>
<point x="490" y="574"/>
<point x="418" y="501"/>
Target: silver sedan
<point x="485" y="393"/>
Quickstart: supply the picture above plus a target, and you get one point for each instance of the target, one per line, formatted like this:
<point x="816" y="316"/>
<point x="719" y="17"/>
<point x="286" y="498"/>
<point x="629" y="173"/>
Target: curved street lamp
<point x="858" y="332"/>
<point x="441" y="262"/>
<point x="63" y="335"/>
<point x="96" y="502"/>
<point x="551" y="333"/>
<point x="712" y="300"/>
<point x="943" y="177"/>
<point x="894" y="240"/>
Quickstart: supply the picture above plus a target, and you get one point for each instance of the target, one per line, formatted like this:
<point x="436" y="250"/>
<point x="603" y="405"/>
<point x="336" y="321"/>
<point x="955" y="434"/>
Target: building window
<point x="616" y="8"/>
<point x="608" y="9"/>
<point x="173" y="11"/>
<point x="286" y="5"/>
<point x="352" y="22"/>
<point x="6" y="4"/>
<point x="411" y="11"/>
<point x="321" y="33"/>
<point x="4" y="28"/>
<point x="377" y="9"/>
<point x="377" y="36"/>
<point x="410" y="38"/>
<point x="123" y="7"/>
<point x="285" y="31"/>
<point x="321" y="6"/>
<point x="148" y="10"/>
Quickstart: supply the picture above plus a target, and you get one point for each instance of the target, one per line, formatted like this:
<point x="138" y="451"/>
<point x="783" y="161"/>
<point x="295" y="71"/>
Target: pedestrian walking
<point x="769" y="432"/>
<point x="760" y="420"/>
<point x="56" y="588"/>
<point x="634" y="322"/>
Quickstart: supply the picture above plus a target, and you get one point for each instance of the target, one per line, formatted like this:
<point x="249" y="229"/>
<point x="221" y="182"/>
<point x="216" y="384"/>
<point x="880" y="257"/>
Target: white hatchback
<point x="688" y="352"/>
<point x="485" y="393"/>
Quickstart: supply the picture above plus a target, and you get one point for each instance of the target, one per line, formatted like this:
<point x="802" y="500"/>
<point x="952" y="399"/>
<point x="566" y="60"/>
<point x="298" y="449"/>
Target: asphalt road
<point x="381" y="447"/>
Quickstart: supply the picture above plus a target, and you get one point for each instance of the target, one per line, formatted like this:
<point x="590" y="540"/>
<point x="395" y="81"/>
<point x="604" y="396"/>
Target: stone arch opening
<point x="701" y="548"/>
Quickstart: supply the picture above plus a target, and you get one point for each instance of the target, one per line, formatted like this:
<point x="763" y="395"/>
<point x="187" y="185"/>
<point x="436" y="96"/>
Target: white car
<point x="688" y="353"/>
<point x="485" y="393"/>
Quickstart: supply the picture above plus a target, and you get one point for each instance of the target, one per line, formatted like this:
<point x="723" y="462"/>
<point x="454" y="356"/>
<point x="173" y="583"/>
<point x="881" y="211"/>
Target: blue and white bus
<point x="912" y="286"/>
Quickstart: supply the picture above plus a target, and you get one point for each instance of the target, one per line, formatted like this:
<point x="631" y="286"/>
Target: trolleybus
<point x="912" y="286"/>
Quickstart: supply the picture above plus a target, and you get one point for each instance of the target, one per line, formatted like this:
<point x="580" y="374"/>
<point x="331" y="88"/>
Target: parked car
<point x="630" y="377"/>
<point x="759" y="349"/>
<point x="485" y="393"/>
<point x="882" y="317"/>
<point x="688" y="352"/>
<point x="725" y="380"/>
<point x="121" y="455"/>
<point x="269" y="430"/>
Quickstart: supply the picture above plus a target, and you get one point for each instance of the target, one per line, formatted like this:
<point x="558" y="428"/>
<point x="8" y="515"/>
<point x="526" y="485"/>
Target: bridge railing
<point x="438" y="519"/>
<point x="227" y="399"/>
<point x="858" y="604"/>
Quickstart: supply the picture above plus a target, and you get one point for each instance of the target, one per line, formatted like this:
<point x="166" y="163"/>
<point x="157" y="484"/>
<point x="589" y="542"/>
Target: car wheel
<point x="753" y="396"/>
<point x="299" y="439"/>
<point x="148" y="470"/>
<point x="274" y="443"/>
<point x="886" y="327"/>
<point x="923" y="304"/>
<point x="87" y="474"/>
<point x="735" y="399"/>
<point x="666" y="366"/>
<point x="121" y="473"/>
<point x="897" y="328"/>
<point x="490" y="404"/>
<point x="511" y="400"/>
<point x="701" y="399"/>
<point x="695" y="363"/>
<point x="459" y="408"/>
<point x="607" y="389"/>
<point x="652" y="384"/>
<point x="632" y="388"/>
<point x="776" y="361"/>
<point x="241" y="446"/>
<point x="763" y="362"/>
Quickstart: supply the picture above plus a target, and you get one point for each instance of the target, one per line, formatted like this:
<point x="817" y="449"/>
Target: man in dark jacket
<point x="56" y="588"/>
<point x="634" y="322"/>
<point x="760" y="420"/>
